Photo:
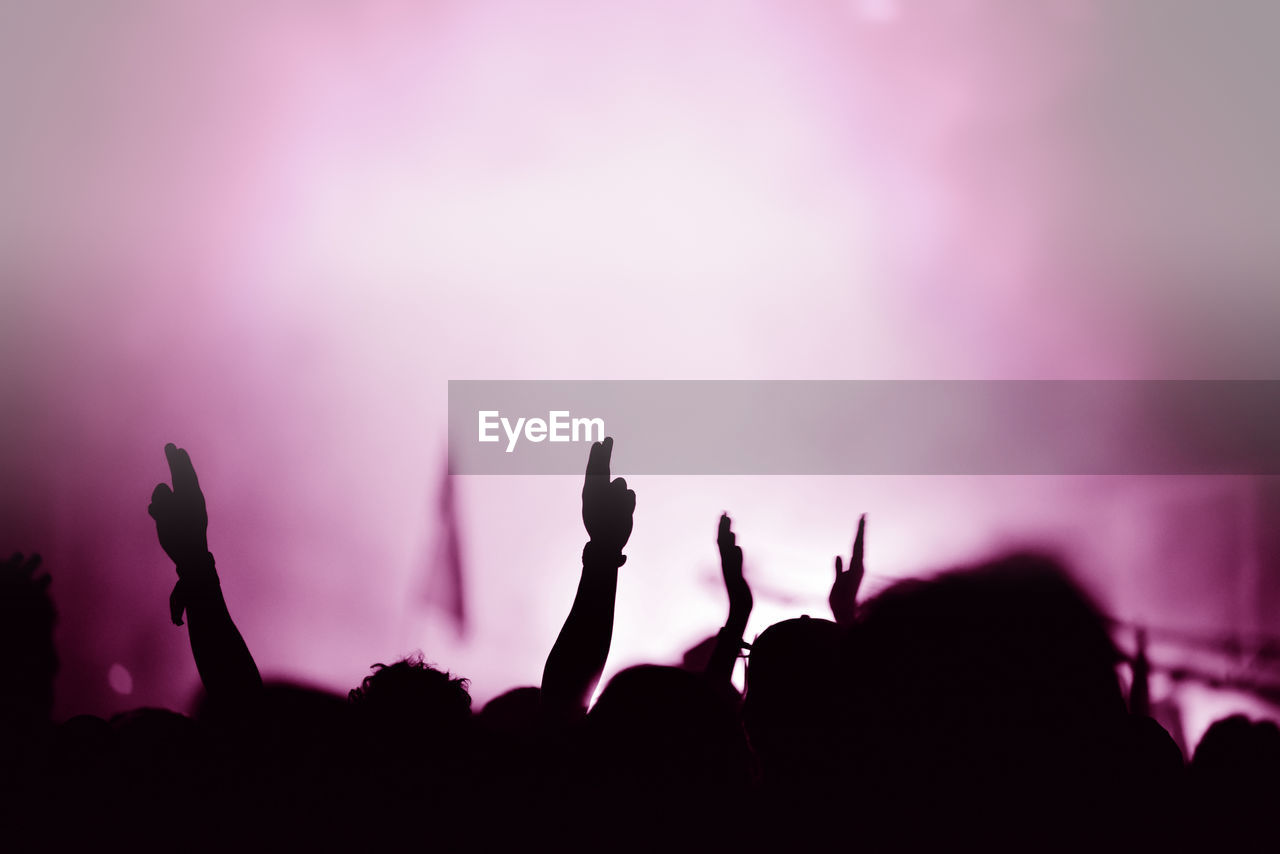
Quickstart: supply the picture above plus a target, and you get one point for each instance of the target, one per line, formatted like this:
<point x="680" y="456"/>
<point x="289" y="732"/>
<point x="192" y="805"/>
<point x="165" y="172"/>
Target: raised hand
<point x="740" y="600"/>
<point x="844" y="589"/>
<point x="607" y="506"/>
<point x="581" y="649"/>
<point x="729" y="640"/>
<point x="182" y="521"/>
<point x="23" y="572"/>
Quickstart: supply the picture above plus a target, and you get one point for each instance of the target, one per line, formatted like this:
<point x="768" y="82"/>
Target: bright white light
<point x="879" y="11"/>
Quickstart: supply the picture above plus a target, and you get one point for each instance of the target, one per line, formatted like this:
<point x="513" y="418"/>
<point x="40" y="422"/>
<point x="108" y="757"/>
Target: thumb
<point x="161" y="500"/>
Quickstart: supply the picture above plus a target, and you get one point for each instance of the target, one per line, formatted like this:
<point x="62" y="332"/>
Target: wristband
<point x="195" y="578"/>
<point x="594" y="555"/>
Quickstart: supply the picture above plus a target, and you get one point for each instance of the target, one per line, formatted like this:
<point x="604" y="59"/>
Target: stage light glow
<point x="272" y="234"/>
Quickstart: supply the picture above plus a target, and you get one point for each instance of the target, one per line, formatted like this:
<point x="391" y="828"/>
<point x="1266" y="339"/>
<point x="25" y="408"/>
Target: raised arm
<point x="844" y="590"/>
<point x="1140" y="691"/>
<point x="28" y="657"/>
<point x="729" y="641"/>
<point x="226" y="667"/>
<point x="578" y="657"/>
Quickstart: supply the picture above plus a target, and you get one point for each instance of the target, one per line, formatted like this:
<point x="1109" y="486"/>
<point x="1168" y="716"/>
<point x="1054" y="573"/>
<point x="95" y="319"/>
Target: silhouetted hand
<point x="724" y="655"/>
<point x="740" y="601"/>
<point x="226" y="667"/>
<point x="578" y="656"/>
<point x="844" y="589"/>
<point x="607" y="506"/>
<point x="181" y="519"/>
<point x="24" y="570"/>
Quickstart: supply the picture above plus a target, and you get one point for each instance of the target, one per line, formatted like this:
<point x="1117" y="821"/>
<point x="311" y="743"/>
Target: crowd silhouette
<point x="981" y="708"/>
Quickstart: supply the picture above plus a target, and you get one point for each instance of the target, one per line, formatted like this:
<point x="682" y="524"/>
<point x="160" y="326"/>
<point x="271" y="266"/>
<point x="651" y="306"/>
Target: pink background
<point x="271" y="234"/>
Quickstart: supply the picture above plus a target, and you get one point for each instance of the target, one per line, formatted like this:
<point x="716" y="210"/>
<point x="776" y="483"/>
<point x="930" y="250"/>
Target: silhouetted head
<point x="1236" y="747"/>
<point x="664" y="723"/>
<point x="412" y="693"/>
<point x="300" y="725"/>
<point x="1237" y="755"/>
<point x="514" y="713"/>
<point x="661" y="741"/>
<point x="412" y="731"/>
<point x="158" y="739"/>
<point x="1236" y="781"/>
<point x="28" y="659"/>
<point x="790" y="662"/>
<point x="986" y="692"/>
<point x="789" y="710"/>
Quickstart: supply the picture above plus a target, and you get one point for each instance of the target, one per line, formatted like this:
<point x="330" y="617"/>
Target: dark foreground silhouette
<point x="978" y="709"/>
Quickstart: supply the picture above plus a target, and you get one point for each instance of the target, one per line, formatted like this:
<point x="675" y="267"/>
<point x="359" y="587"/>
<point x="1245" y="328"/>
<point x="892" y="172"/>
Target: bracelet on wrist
<point x="594" y="555"/>
<point x="196" y="578"/>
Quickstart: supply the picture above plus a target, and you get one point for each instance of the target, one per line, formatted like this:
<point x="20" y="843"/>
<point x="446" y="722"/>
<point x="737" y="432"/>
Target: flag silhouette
<point x="444" y="589"/>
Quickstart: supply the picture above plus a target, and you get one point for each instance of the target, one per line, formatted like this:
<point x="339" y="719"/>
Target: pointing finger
<point x="180" y="469"/>
<point x="598" y="461"/>
<point x="859" y="543"/>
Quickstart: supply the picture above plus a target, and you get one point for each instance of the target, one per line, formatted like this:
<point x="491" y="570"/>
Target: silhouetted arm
<point x="844" y="590"/>
<point x="729" y="640"/>
<point x="28" y="657"/>
<point x="578" y="656"/>
<point x="226" y="667"/>
<point x="1140" y="691"/>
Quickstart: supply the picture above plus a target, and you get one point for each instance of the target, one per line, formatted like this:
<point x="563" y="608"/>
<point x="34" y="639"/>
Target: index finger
<point x="598" y="461"/>
<point x="181" y="470"/>
<point x="724" y="531"/>
<point x="859" y="543"/>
